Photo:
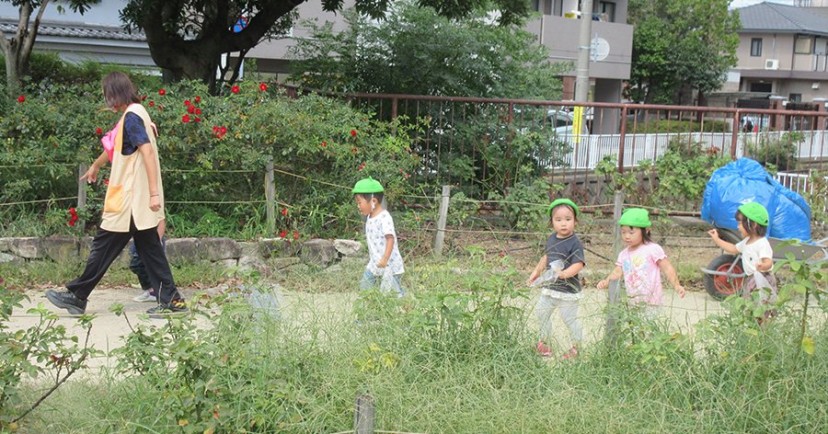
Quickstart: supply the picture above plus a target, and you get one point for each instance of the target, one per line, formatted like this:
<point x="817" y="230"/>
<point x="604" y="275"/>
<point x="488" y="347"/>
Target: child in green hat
<point x="557" y="272"/>
<point x="641" y="263"/>
<point x="756" y="251"/>
<point x="385" y="264"/>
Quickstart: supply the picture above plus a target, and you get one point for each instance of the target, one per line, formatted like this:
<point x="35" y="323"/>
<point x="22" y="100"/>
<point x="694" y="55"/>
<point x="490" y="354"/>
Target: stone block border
<point x="265" y="255"/>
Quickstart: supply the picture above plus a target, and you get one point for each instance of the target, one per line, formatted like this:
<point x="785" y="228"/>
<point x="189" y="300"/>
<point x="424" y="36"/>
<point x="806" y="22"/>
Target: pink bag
<point x="108" y="141"/>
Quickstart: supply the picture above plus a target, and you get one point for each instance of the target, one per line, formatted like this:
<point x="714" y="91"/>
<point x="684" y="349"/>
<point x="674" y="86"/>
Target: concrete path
<point x="108" y="330"/>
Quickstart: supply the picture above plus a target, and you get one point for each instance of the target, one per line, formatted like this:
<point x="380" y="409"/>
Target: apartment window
<point x="795" y="97"/>
<point x="803" y="44"/>
<point x="536" y="5"/>
<point x="557" y="8"/>
<point x="761" y="87"/>
<point x="607" y="8"/>
<point x="756" y="47"/>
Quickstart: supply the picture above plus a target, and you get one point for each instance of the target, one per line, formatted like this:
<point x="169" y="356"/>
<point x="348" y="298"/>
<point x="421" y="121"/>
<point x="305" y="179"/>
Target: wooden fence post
<point x="270" y="197"/>
<point x="82" y="168"/>
<point x="365" y="415"/>
<point x="614" y="289"/>
<point x="441" y="221"/>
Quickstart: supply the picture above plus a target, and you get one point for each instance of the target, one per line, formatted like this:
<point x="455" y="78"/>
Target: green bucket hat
<point x="367" y="186"/>
<point x="635" y="218"/>
<point x="563" y="201"/>
<point x="754" y="211"/>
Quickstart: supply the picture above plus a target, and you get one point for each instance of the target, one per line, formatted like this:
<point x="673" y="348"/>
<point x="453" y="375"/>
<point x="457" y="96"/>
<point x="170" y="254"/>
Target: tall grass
<point x="455" y="356"/>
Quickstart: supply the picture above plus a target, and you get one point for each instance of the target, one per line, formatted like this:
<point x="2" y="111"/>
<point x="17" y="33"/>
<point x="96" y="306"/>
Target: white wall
<point x="107" y="13"/>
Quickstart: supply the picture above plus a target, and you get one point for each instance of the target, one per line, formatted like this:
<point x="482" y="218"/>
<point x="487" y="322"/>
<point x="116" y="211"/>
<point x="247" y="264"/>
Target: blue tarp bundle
<point x="745" y="180"/>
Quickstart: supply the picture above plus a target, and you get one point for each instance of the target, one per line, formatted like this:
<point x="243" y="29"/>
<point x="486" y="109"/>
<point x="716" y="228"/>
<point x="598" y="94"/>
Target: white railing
<point x="590" y="149"/>
<point x="800" y="183"/>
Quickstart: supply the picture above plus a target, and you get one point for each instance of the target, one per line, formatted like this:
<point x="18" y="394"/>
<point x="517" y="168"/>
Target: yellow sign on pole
<point x="577" y="122"/>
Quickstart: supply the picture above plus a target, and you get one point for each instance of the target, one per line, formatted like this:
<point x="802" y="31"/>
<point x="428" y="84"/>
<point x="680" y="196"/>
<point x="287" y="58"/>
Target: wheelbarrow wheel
<point x="720" y="287"/>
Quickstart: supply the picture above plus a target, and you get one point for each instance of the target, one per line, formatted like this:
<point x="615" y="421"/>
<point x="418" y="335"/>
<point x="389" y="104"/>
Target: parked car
<point x="563" y="122"/>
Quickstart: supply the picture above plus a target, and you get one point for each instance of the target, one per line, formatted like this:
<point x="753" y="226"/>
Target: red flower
<point x="284" y="212"/>
<point x="283" y="234"/>
<point x="197" y="119"/>
<point x="187" y="102"/>
<point x="162" y="92"/>
<point x="98" y="131"/>
<point x="197" y="99"/>
<point x="353" y="133"/>
<point x="295" y="235"/>
<point x="197" y="111"/>
<point x="324" y="144"/>
<point x="185" y="118"/>
<point x="361" y="166"/>
<point x="152" y="103"/>
<point x="191" y="109"/>
<point x="235" y="89"/>
<point x="219" y="132"/>
<point x="143" y="97"/>
<point x="73" y="216"/>
<point x="21" y="99"/>
<point x="262" y="87"/>
<point x="106" y="181"/>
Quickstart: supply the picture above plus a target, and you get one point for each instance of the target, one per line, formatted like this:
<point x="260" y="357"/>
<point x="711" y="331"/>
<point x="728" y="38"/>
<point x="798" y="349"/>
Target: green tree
<point x="188" y="37"/>
<point x="416" y="51"/>
<point x="17" y="48"/>
<point x="680" y="46"/>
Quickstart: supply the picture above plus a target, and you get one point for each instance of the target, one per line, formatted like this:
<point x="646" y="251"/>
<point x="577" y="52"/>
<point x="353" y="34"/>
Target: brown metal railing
<point x="478" y="134"/>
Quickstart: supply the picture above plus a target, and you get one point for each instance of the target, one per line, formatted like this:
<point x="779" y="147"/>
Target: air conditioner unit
<point x="771" y="63"/>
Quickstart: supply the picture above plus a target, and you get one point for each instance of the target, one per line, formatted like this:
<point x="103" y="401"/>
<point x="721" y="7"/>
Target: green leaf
<point x="808" y="345"/>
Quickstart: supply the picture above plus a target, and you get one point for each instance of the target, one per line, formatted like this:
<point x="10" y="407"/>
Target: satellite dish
<point x="599" y="49"/>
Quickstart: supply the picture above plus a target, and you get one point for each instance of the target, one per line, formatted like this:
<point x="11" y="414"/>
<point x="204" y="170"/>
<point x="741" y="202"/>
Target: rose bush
<point x="214" y="151"/>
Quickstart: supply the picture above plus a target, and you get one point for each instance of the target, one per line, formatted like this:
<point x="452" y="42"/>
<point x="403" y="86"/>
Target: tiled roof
<point x="77" y="30"/>
<point x="765" y="17"/>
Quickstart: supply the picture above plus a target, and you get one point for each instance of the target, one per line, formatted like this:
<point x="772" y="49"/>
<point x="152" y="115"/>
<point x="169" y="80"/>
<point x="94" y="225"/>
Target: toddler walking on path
<point x="385" y="264"/>
<point x="563" y="259"/>
<point x="641" y="264"/>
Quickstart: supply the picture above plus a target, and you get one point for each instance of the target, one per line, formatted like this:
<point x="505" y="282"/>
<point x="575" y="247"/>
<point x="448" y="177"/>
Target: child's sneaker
<point x="571" y="354"/>
<point x="174" y="308"/>
<point x="543" y="349"/>
<point x="145" y="297"/>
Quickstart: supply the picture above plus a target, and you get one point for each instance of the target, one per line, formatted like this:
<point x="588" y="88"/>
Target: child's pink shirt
<point x="642" y="276"/>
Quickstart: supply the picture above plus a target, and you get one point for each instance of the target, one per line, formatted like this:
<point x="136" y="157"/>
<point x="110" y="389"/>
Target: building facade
<point x="99" y="36"/>
<point x="783" y="52"/>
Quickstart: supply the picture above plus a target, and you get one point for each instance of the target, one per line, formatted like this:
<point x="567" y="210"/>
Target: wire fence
<point x="572" y="146"/>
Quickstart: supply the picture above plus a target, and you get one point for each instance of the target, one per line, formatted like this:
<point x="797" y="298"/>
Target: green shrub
<point x="45" y="351"/>
<point x="774" y="151"/>
<point x="211" y="153"/>
<point x="683" y="172"/>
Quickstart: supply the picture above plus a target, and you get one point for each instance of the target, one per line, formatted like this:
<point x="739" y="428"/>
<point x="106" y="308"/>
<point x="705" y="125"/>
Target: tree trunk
<point x="186" y="60"/>
<point x="12" y="70"/>
<point x="18" y="48"/>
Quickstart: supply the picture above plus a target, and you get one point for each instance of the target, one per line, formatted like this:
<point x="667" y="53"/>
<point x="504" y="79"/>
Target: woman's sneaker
<point x="146" y="296"/>
<point x="174" y="308"/>
<point x="67" y="300"/>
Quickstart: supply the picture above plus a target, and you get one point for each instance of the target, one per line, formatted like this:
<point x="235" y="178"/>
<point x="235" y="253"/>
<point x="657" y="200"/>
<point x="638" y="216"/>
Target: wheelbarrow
<point x="724" y="275"/>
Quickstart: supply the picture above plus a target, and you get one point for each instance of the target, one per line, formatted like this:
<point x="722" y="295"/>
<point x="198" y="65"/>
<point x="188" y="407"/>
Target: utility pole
<point x="584" y="43"/>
